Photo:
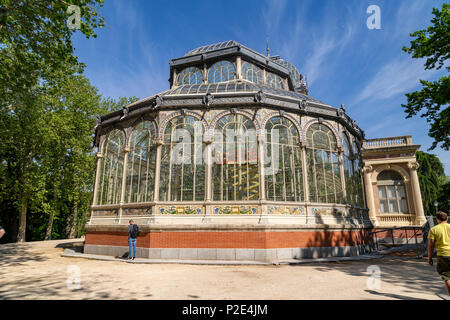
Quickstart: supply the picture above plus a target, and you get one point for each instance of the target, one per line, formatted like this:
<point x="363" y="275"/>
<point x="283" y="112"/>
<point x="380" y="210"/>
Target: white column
<point x="420" y="216"/>
<point x="238" y="67"/>
<point x="158" y="143"/>
<point x="305" y="174"/>
<point x="97" y="178"/>
<point x="262" y="181"/>
<point x="369" y="192"/>
<point x="341" y="169"/>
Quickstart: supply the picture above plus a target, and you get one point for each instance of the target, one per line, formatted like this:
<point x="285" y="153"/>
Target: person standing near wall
<point x="439" y="237"/>
<point x="2" y="232"/>
<point x="133" y="233"/>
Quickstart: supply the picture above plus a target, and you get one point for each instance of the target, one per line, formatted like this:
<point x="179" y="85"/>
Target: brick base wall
<point x="233" y="239"/>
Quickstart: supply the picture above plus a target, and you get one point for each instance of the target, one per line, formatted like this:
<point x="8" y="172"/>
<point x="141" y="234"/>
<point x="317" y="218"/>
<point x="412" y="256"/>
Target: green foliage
<point x="431" y="177"/>
<point x="48" y="112"/>
<point x="444" y="195"/>
<point x="434" y="98"/>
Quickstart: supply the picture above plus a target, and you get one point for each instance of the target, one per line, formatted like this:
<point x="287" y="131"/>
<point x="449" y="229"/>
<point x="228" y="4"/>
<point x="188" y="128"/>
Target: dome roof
<point x="294" y="74"/>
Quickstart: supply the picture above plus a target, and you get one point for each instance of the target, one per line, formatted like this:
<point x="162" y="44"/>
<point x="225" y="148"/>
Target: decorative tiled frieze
<point x="181" y="210"/>
<point x="235" y="210"/>
<point x="288" y="210"/>
<point x="327" y="211"/>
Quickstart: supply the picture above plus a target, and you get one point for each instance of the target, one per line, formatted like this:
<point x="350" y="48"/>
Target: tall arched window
<point x="190" y="75"/>
<point x="111" y="170"/>
<point x="221" y="71"/>
<point x="141" y="164"/>
<point x="274" y="81"/>
<point x="359" y="194"/>
<point x="324" y="179"/>
<point x="347" y="159"/>
<point x="235" y="168"/>
<point x="182" y="172"/>
<point x="283" y="163"/>
<point x="391" y="192"/>
<point x="252" y="73"/>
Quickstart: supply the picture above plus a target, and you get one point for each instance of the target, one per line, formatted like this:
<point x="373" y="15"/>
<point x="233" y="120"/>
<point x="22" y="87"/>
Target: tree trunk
<point x="23" y="222"/>
<point x="74" y="220"/>
<point x="83" y="219"/>
<point x="48" y="232"/>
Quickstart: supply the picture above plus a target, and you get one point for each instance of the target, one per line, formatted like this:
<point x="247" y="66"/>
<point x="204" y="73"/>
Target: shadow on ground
<point x="411" y="273"/>
<point x="17" y="254"/>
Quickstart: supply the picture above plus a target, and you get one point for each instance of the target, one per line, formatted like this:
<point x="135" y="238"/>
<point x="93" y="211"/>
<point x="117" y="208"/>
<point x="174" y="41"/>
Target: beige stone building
<point x="391" y="183"/>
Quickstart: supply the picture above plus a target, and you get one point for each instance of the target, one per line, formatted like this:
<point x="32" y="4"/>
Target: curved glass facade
<point x="111" y="168"/>
<point x="182" y="176"/>
<point x="221" y="71"/>
<point x="236" y="164"/>
<point x="190" y="75"/>
<point x="324" y="178"/>
<point x="235" y="167"/>
<point x="252" y="73"/>
<point x="283" y="166"/>
<point x="141" y="166"/>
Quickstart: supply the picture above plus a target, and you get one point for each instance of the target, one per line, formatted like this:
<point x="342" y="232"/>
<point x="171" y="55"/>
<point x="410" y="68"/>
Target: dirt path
<point x="36" y="270"/>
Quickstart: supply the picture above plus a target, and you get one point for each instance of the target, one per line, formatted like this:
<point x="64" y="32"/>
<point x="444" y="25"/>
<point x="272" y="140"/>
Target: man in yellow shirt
<point x="439" y="236"/>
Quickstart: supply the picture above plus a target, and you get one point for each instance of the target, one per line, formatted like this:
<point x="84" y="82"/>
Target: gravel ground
<point x="36" y="270"/>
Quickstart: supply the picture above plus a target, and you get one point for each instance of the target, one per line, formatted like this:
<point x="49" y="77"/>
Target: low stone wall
<point x="227" y="242"/>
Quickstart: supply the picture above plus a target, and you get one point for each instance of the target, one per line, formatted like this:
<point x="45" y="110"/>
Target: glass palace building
<point x="234" y="162"/>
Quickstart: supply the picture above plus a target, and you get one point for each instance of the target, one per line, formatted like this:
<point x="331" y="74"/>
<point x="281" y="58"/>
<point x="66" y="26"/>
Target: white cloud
<point x="396" y="77"/>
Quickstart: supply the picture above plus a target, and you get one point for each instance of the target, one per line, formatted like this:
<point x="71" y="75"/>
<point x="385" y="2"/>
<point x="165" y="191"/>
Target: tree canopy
<point x="433" y="100"/>
<point x="48" y="112"/>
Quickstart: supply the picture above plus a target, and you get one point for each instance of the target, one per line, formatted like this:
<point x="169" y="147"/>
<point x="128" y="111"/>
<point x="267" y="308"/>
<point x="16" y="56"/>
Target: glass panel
<point x="283" y="171"/>
<point x="182" y="166"/>
<point x="141" y="164"/>
<point x="393" y="206"/>
<point x="391" y="192"/>
<point x="221" y="71"/>
<point x="323" y="168"/>
<point x="252" y="73"/>
<point x="110" y="187"/>
<point x="382" y="192"/>
<point x="403" y="206"/>
<point x="190" y="75"/>
<point x="383" y="206"/>
<point x="401" y="191"/>
<point x="235" y="168"/>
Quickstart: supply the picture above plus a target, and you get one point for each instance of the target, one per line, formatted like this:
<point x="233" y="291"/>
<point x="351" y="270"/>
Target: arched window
<point x="235" y="168"/>
<point x="252" y="73"/>
<point x="283" y="163"/>
<point x="347" y="159"/>
<point x="141" y="164"/>
<point x="182" y="172"/>
<point x="274" y="81"/>
<point x="221" y="71"/>
<point x="111" y="170"/>
<point x="324" y="179"/>
<point x="391" y="192"/>
<point x="190" y="75"/>
<point x="359" y="195"/>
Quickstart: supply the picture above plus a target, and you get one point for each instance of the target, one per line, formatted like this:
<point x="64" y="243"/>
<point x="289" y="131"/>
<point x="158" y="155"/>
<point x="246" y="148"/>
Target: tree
<point x="434" y="98"/>
<point x="431" y="174"/>
<point x="36" y="53"/>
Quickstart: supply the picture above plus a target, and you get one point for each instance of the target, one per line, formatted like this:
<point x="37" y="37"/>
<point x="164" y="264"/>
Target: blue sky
<point x="328" y="41"/>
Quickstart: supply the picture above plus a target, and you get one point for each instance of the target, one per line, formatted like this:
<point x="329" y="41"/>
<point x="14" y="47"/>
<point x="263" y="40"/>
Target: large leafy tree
<point x="431" y="175"/>
<point x="433" y="100"/>
<point x="36" y="54"/>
